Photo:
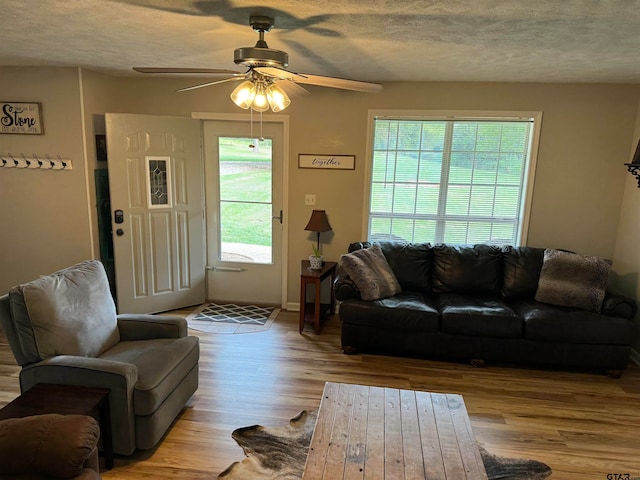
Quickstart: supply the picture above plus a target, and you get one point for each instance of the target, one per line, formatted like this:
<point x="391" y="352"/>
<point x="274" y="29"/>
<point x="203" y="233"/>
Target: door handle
<point x="279" y="217"/>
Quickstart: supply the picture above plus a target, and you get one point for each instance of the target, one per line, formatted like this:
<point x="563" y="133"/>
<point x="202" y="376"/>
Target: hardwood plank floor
<point x="583" y="424"/>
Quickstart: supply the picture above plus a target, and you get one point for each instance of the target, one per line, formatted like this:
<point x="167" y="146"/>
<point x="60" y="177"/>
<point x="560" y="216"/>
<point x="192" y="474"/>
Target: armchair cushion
<point x="160" y="364"/>
<point x="69" y="312"/>
<point x="51" y="444"/>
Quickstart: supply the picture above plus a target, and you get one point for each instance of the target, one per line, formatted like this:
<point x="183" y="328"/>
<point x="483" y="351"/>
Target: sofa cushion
<point x="406" y="311"/>
<point x="571" y="280"/>
<point x="70" y="312"/>
<point x="548" y="323"/>
<point x="371" y="273"/>
<point x="467" y="269"/>
<point x="411" y="264"/>
<point x="522" y="267"/>
<point x="479" y="315"/>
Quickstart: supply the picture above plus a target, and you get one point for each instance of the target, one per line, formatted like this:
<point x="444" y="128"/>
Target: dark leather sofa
<point x="477" y="303"/>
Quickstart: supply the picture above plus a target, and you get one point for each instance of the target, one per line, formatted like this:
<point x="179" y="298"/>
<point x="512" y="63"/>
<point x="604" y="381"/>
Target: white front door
<point x="244" y="191"/>
<point x="156" y="191"/>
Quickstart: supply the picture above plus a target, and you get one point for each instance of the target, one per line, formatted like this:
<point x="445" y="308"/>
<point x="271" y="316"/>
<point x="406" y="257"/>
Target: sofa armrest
<point x="51" y="444"/>
<point x="145" y="327"/>
<point x="344" y="287"/>
<point x="619" y="306"/>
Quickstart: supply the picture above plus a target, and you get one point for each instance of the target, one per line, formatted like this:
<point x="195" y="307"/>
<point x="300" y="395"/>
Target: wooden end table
<point x="390" y="433"/>
<point x="316" y="310"/>
<point x="45" y="398"/>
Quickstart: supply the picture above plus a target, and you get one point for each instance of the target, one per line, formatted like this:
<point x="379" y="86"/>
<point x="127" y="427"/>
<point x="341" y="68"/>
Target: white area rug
<point x="232" y="318"/>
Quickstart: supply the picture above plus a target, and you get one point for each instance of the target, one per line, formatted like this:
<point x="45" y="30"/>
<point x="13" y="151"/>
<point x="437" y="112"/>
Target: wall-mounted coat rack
<point x="33" y="162"/>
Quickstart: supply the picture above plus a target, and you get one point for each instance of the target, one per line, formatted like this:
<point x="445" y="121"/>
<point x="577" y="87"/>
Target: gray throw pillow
<point x="370" y="271"/>
<point x="571" y="280"/>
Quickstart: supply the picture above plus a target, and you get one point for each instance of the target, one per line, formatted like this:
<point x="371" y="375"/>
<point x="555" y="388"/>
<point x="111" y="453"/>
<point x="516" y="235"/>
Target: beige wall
<point x="585" y="138"/>
<point x="626" y="259"/>
<point x="44" y="214"/>
<point x="586" y="131"/>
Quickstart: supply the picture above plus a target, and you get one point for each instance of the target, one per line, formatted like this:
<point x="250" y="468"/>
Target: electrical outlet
<point x="309" y="199"/>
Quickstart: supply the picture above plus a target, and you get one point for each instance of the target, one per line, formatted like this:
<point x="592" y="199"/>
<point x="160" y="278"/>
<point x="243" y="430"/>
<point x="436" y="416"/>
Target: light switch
<point x="309" y="199"/>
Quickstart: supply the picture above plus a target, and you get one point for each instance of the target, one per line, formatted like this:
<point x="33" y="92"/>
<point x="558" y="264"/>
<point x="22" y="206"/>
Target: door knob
<point x="119" y="232"/>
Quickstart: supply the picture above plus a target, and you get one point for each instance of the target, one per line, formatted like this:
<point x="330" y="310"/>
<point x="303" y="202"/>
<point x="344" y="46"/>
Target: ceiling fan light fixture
<point x="277" y="97"/>
<point x="260" y="102"/>
<point x="244" y="94"/>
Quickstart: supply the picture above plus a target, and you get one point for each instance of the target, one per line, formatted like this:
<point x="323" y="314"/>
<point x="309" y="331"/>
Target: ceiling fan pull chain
<point x="251" y="145"/>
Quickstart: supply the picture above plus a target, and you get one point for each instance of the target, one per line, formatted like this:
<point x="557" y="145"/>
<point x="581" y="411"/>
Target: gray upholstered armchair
<point x="63" y="328"/>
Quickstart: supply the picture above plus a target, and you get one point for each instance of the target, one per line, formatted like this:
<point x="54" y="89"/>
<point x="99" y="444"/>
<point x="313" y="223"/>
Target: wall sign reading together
<point x="336" y="162"/>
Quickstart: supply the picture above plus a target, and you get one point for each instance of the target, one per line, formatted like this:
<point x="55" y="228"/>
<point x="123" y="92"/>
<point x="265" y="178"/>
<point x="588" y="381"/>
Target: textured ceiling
<point x="375" y="40"/>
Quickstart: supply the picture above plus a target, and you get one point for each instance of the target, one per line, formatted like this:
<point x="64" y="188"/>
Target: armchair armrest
<point x="144" y="327"/>
<point x="53" y="445"/>
<point x="619" y="305"/>
<point x="72" y="370"/>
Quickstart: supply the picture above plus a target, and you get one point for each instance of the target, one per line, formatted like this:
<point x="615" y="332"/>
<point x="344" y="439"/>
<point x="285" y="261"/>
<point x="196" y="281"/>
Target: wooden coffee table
<point x="66" y="400"/>
<point x="386" y="433"/>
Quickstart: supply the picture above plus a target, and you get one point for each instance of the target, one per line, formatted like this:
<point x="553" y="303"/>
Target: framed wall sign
<point x="335" y="162"/>
<point x="21" y="117"/>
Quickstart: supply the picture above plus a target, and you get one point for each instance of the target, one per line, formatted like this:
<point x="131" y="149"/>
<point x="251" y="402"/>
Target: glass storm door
<point x="244" y="212"/>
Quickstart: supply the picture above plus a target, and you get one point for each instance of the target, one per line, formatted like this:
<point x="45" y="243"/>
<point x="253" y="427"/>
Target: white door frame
<point x="284" y="120"/>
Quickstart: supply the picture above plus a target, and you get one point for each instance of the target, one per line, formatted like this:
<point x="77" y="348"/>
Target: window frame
<point x="453" y="115"/>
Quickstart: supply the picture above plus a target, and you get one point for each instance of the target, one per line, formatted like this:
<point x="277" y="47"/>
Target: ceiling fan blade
<point x="293" y="89"/>
<point x="335" y="82"/>
<point x="186" y="71"/>
<point x="208" y="84"/>
<point x="332" y="82"/>
<point x="278" y="72"/>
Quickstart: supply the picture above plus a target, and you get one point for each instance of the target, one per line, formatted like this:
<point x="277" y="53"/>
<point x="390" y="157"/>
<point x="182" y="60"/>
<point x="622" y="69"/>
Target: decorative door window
<point x="159" y="181"/>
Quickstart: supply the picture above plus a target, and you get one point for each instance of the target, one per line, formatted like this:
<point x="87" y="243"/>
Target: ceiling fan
<point x="265" y="76"/>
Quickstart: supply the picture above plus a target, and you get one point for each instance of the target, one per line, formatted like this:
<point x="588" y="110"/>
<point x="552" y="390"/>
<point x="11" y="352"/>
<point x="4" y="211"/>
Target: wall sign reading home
<point x="19" y="117"/>
<point x="337" y="162"/>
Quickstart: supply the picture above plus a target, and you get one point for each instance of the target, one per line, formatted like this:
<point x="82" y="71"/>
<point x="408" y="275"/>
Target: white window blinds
<point x="453" y="181"/>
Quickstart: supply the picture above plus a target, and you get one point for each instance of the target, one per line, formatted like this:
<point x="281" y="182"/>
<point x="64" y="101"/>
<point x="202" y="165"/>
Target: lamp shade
<point x="278" y="99"/>
<point x="318" y="222"/>
<point x="244" y="94"/>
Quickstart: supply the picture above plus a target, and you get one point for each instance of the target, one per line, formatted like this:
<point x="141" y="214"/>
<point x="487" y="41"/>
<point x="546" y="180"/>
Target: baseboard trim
<point x="635" y="356"/>
<point x="294" y="307"/>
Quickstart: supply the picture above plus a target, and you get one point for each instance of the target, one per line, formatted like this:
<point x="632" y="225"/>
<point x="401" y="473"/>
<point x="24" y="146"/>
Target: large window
<point x="453" y="180"/>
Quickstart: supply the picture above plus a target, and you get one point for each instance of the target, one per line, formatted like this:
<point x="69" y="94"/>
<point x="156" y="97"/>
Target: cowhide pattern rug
<point x="279" y="453"/>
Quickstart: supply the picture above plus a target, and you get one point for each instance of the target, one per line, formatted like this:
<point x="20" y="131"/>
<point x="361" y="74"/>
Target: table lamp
<point x="318" y="223"/>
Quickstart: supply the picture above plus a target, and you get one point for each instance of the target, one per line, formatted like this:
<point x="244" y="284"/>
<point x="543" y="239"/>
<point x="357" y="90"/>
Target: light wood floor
<point x="583" y="424"/>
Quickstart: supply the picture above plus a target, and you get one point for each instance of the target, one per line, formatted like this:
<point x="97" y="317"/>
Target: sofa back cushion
<point x="411" y="263"/>
<point x="467" y="269"/>
<point x="70" y="312"/>
<point x="522" y="267"/>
